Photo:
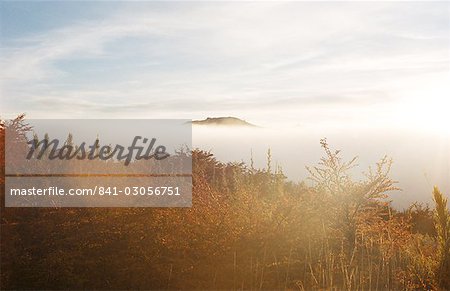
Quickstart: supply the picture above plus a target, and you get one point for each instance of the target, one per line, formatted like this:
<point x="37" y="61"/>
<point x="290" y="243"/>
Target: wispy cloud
<point x="167" y="58"/>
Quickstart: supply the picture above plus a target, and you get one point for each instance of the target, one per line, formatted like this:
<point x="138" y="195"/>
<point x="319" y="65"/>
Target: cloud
<point x="170" y="58"/>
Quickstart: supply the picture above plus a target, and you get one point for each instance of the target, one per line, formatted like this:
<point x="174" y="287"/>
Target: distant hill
<point x="223" y="121"/>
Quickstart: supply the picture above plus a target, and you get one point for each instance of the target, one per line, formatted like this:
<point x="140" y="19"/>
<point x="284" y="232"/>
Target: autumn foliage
<point x="248" y="229"/>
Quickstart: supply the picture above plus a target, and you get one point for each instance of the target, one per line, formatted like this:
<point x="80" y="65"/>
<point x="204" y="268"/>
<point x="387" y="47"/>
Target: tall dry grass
<point x="442" y="222"/>
<point x="248" y="229"/>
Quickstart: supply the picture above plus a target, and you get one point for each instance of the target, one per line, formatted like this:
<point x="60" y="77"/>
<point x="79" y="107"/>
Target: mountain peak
<point x="223" y="121"/>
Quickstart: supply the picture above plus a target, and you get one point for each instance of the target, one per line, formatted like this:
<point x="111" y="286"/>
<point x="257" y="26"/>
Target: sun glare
<point x="427" y="108"/>
<point x="431" y="116"/>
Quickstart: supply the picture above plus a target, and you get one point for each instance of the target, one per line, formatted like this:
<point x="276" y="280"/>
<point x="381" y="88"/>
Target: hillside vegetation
<point x="248" y="229"/>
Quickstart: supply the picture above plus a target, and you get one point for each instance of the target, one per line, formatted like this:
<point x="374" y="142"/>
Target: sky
<point x="296" y="63"/>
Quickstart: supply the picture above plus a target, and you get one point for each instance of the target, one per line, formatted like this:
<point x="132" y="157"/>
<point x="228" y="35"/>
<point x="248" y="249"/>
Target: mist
<point x="420" y="159"/>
